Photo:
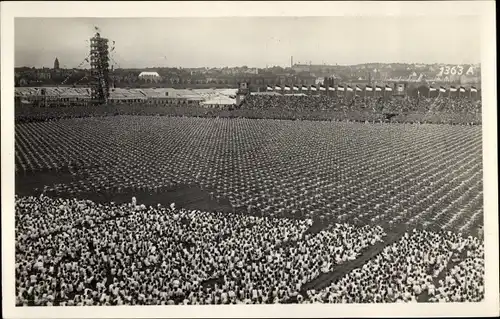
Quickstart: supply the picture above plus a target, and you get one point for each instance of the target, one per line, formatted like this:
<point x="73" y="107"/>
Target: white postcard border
<point x="485" y="9"/>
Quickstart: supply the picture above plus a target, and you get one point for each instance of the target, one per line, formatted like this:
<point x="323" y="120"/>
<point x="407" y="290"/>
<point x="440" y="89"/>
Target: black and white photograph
<point x="206" y="162"/>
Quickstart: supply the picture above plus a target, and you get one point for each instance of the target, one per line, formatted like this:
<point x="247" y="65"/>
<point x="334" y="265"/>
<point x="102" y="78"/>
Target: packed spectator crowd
<point x="76" y="252"/>
<point x="28" y="113"/>
<point x="315" y="107"/>
<point x="360" y="108"/>
<point x="174" y="251"/>
<point x="392" y="104"/>
<point x="412" y="269"/>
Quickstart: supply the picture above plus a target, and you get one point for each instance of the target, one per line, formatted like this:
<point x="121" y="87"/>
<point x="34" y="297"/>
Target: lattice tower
<point x="99" y="70"/>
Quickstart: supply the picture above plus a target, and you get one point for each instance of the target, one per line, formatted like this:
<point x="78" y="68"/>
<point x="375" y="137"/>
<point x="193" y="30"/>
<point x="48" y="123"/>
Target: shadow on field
<point x="185" y="196"/>
<point x="33" y="183"/>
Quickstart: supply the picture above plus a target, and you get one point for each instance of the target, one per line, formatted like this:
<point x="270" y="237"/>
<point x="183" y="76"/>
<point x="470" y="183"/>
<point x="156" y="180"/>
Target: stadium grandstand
<point x="66" y="96"/>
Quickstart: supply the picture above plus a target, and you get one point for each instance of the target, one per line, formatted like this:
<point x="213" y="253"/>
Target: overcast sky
<point x="255" y="42"/>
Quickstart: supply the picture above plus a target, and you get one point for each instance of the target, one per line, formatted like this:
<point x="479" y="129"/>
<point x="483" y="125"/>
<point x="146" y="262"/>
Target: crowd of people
<point x="372" y="109"/>
<point x="421" y="266"/>
<point x="388" y="104"/>
<point x="303" y="107"/>
<point x="29" y="113"/>
<point x="77" y="252"/>
<point x="308" y="169"/>
<point x="129" y="254"/>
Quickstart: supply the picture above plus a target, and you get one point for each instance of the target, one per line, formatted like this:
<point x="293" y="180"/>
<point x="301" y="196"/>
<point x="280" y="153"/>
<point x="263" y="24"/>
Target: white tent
<point x="228" y="92"/>
<point x="149" y="74"/>
<point x="219" y="101"/>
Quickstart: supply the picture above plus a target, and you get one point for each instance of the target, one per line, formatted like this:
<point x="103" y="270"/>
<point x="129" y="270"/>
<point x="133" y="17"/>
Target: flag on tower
<point x="453" y="89"/>
<point x="295" y="88"/>
<point x="432" y="89"/>
<point x="378" y="88"/>
<point x="304" y="88"/>
<point x="388" y="88"/>
<point x="473" y="89"/>
<point x="322" y="87"/>
<point x="269" y="88"/>
<point x="313" y="88"/>
<point x="442" y="89"/>
<point x="287" y="88"/>
<point x="331" y="88"/>
<point x="368" y="88"/>
<point x="277" y="88"/>
<point x="462" y="89"/>
<point x="358" y="89"/>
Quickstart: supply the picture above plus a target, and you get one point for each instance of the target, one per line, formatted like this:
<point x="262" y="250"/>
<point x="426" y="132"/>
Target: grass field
<point x="386" y="174"/>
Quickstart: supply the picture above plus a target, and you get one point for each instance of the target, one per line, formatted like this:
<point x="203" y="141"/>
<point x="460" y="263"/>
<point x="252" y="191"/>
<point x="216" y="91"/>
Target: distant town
<point x="257" y="78"/>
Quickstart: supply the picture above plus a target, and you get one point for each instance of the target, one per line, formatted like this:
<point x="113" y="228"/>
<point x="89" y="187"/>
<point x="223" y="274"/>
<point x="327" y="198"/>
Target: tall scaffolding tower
<point x="99" y="70"/>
